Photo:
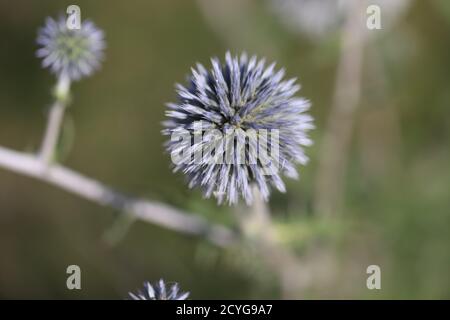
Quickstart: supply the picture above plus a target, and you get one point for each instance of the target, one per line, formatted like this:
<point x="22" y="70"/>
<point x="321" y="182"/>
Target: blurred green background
<point x="397" y="198"/>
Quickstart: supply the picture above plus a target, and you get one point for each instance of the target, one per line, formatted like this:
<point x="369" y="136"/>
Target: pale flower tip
<point x="75" y="53"/>
<point x="159" y="291"/>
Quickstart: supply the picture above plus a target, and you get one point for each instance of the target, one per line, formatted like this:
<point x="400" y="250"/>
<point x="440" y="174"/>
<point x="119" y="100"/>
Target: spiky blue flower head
<point x="231" y="104"/>
<point x="159" y="291"/>
<point x="73" y="53"/>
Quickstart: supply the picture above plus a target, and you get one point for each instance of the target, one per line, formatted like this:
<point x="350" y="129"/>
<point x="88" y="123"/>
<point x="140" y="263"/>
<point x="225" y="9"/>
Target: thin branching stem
<point x="150" y="211"/>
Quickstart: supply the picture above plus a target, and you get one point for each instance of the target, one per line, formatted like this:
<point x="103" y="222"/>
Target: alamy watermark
<point x="230" y="145"/>
<point x="374" y="280"/>
<point x="373" y="21"/>
<point x="73" y="21"/>
<point x="73" y="281"/>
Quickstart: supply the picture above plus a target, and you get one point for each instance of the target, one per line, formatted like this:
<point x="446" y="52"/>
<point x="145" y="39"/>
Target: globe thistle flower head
<point x="159" y="291"/>
<point x="73" y="53"/>
<point x="240" y="108"/>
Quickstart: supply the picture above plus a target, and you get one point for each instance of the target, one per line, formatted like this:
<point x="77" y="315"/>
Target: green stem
<point x="55" y="119"/>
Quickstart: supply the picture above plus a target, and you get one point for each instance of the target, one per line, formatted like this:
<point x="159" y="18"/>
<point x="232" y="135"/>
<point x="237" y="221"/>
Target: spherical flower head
<point x="73" y="53"/>
<point x="247" y="122"/>
<point x="159" y="291"/>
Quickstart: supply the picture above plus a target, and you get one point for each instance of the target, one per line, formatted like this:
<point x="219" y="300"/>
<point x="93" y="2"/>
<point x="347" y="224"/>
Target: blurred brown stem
<point x="333" y="157"/>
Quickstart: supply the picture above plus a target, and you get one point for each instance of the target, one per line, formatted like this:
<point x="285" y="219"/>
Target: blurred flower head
<point x="319" y="18"/>
<point x="159" y="291"/>
<point x="230" y="105"/>
<point x="73" y="53"/>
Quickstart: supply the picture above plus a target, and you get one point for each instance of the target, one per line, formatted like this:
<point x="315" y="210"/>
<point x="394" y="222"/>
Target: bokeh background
<point x="396" y="210"/>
